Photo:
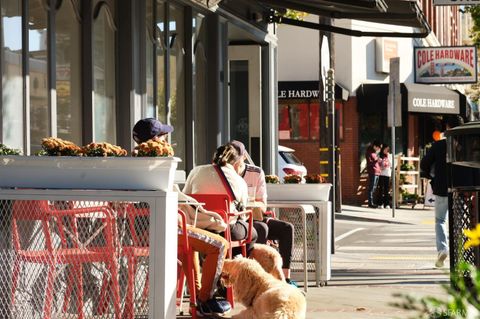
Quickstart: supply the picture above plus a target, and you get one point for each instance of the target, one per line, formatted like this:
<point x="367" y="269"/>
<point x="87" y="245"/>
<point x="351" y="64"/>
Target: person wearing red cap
<point x="267" y="228"/>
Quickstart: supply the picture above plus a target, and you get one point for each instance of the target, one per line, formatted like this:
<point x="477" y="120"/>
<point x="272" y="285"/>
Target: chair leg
<point x="115" y="289"/>
<point x="129" y="310"/>
<point x="103" y="301"/>
<point x="68" y="289"/>
<point x="78" y="270"/>
<point x="15" y="274"/>
<point x="49" y="291"/>
<point x="145" y="291"/>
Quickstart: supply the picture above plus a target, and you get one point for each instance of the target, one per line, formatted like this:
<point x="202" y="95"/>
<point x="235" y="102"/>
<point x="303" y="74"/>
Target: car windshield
<point x="290" y="158"/>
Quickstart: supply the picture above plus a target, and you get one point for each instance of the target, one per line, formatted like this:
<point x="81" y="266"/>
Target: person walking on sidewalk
<point x="373" y="169"/>
<point x="434" y="166"/>
<point x="385" y="173"/>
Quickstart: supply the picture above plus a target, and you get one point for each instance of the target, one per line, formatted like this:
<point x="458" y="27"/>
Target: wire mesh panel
<point x="73" y="259"/>
<point x="464" y="215"/>
<point x="295" y="217"/>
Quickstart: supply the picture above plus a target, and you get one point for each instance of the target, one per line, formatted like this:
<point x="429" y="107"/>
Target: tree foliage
<point x="475" y="31"/>
<point x="293" y="14"/>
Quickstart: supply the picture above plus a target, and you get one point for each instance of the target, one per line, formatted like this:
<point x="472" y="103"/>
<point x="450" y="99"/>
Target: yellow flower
<point x="473" y="237"/>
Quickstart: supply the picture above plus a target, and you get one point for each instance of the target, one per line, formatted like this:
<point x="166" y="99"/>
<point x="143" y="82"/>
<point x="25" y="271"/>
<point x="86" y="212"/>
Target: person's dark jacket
<point x="436" y="158"/>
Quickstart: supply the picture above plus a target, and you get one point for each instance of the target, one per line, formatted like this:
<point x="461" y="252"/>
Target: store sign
<point x="298" y="90"/>
<point x="454" y="2"/>
<point x="446" y="64"/>
<point x="432" y="99"/>
<point x="385" y="49"/>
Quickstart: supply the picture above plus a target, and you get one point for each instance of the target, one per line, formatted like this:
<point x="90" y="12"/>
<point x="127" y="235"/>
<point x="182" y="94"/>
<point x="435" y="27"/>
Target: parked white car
<point x="288" y="163"/>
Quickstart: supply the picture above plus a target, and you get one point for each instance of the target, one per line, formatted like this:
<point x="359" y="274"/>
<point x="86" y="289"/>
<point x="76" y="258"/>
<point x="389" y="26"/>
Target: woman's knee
<point x="262" y="232"/>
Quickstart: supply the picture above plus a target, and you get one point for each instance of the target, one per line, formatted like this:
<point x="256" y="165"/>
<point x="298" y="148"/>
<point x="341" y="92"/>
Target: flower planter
<point x="299" y="192"/>
<point x="116" y="173"/>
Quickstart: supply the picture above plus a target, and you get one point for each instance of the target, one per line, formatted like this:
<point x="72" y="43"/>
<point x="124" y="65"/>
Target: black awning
<point x="423" y="98"/>
<point x="393" y="12"/>
<point x="416" y="98"/>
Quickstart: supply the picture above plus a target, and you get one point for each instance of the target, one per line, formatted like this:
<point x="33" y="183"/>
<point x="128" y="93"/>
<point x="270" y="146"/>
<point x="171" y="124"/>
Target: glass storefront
<point x="104" y="117"/>
<point x="68" y="73"/>
<point x="12" y="69"/>
<point x="298" y="121"/>
<point x="38" y="66"/>
<point x="200" y="118"/>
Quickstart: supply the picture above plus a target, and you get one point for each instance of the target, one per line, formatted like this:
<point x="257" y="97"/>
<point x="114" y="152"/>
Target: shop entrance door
<point x="245" y="97"/>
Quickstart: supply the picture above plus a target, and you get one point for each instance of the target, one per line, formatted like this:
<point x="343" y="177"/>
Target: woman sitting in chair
<point x="206" y="179"/>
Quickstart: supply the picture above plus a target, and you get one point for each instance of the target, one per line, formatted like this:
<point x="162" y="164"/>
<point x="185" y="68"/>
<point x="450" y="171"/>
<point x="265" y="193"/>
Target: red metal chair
<point x="185" y="266"/>
<point x="220" y="203"/>
<point x="137" y="248"/>
<point x="71" y="251"/>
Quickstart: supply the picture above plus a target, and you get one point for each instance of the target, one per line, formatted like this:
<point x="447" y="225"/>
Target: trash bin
<point x="463" y="158"/>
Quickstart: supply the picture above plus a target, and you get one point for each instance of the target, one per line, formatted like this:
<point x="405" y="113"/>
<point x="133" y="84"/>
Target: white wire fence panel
<point x="73" y="259"/>
<point x="295" y="217"/>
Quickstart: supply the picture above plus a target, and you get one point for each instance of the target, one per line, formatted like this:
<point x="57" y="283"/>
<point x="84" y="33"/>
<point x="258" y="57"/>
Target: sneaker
<point x="291" y="282"/>
<point x="441" y="259"/>
<point x="213" y="307"/>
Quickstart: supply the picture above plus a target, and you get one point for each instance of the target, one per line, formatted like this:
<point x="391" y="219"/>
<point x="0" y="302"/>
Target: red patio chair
<point x="70" y="251"/>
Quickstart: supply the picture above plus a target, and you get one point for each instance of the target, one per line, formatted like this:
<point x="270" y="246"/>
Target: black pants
<point x="384" y="186"/>
<point x="282" y="232"/>
<point x="239" y="231"/>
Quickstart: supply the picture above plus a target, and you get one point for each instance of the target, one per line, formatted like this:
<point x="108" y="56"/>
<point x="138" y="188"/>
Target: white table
<point x="162" y="233"/>
<point x="322" y="241"/>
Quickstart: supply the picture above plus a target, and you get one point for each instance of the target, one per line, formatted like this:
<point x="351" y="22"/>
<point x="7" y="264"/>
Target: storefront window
<point x="12" y="80"/>
<point x="38" y="67"/>
<point x="200" y="89"/>
<point x="159" y="33"/>
<point x="68" y="71"/>
<point x="299" y="121"/>
<point x="104" y="78"/>
<point x="150" y="67"/>
<point x="176" y="101"/>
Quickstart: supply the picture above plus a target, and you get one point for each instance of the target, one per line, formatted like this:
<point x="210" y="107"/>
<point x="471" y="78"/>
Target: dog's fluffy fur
<point x="264" y="296"/>
<point x="269" y="258"/>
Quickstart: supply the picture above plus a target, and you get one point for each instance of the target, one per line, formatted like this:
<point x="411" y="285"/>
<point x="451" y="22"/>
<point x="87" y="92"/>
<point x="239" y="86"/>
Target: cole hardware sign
<point x="446" y="64"/>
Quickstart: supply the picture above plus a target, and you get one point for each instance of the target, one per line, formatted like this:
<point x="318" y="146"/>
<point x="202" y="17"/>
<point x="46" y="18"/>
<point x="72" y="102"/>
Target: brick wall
<point x="307" y="152"/>
<point x="353" y="185"/>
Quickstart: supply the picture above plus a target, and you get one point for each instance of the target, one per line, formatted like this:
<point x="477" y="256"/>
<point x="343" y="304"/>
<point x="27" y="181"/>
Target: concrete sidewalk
<point x="383" y="256"/>
<point x="388" y="256"/>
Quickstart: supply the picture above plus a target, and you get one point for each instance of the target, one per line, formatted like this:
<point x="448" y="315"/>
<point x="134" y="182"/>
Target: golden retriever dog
<point x="269" y="258"/>
<point x="264" y="296"/>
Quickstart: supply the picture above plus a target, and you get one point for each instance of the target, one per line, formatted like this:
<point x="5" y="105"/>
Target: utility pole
<point x="327" y="147"/>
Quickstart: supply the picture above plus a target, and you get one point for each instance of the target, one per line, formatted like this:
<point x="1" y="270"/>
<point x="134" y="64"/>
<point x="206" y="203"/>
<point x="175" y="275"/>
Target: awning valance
<point x="417" y="98"/>
<point x="432" y="99"/>
<point x="393" y="12"/>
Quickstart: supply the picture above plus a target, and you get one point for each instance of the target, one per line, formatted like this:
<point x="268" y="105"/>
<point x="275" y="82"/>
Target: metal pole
<point x="330" y="97"/>
<point x="394" y="198"/>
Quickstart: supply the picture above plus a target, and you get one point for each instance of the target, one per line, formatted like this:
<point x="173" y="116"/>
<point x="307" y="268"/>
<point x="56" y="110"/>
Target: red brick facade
<point x="353" y="186"/>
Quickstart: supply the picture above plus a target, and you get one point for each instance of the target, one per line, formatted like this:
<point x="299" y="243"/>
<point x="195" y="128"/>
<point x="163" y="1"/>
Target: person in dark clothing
<point x="434" y="166"/>
<point x="385" y="173"/>
<point x="373" y="169"/>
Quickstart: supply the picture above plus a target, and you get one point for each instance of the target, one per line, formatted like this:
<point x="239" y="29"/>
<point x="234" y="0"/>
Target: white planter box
<point x="299" y="192"/>
<point x="128" y="173"/>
